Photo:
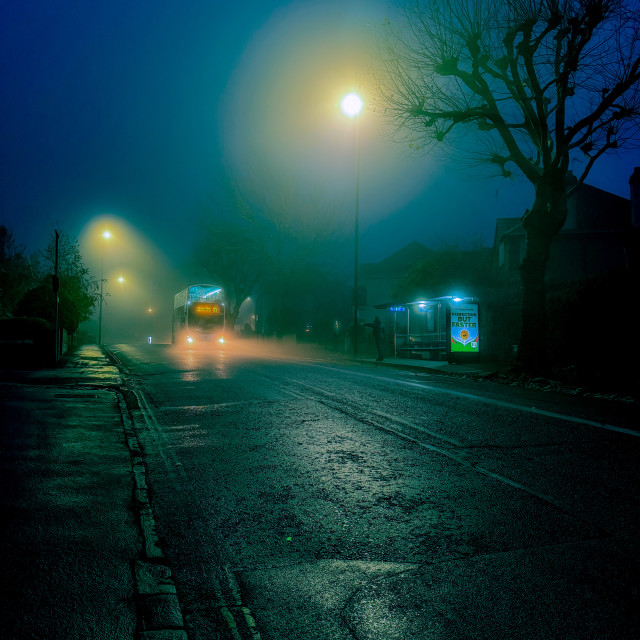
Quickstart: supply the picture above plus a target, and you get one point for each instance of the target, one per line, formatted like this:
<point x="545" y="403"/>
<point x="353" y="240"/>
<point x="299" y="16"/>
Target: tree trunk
<point x="533" y="357"/>
<point x="542" y="223"/>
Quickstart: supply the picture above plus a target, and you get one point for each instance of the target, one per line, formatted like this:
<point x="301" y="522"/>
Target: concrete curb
<point x="159" y="613"/>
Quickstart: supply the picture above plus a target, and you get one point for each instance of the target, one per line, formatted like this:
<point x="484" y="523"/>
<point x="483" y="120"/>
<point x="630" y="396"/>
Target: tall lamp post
<point x="351" y="106"/>
<point x="106" y="235"/>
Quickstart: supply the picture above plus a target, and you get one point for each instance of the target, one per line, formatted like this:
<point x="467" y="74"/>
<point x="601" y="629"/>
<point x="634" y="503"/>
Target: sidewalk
<point x="70" y="534"/>
<point x="617" y="385"/>
<point x="72" y="546"/>
<point x="439" y="366"/>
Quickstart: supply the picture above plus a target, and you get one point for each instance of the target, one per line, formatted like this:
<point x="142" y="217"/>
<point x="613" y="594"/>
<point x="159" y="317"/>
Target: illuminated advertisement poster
<point x="465" y="336"/>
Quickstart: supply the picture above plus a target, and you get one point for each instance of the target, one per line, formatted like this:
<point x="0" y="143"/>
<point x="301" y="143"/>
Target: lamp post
<point x="106" y="235"/>
<point x="351" y="106"/>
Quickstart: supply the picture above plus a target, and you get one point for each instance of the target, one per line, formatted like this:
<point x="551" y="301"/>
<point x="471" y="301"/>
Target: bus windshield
<point x="204" y="293"/>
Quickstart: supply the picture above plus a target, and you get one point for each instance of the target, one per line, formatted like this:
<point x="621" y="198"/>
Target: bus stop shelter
<point x="441" y="328"/>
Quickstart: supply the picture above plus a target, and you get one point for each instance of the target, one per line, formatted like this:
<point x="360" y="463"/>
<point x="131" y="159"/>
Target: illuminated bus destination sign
<point x="465" y="336"/>
<point x="207" y="309"/>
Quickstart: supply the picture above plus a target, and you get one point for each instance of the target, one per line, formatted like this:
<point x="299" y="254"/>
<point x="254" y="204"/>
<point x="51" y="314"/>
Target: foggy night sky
<point x="135" y="110"/>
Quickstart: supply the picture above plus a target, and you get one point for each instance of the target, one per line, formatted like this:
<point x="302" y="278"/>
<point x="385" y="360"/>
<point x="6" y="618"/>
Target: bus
<point x="199" y="315"/>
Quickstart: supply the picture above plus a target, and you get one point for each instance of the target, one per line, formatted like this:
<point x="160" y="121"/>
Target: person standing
<point x="378" y="333"/>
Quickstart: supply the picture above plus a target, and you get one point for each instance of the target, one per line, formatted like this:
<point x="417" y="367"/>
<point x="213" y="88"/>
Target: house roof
<point x="505" y="226"/>
<point x="590" y="209"/>
<point x="398" y="263"/>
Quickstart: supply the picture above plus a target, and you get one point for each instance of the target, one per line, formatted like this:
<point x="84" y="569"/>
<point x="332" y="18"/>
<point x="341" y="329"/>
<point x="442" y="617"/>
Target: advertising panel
<point x="465" y="335"/>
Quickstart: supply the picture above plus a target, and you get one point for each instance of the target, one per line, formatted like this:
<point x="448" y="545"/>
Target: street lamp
<point x="351" y="106"/>
<point x="106" y="235"/>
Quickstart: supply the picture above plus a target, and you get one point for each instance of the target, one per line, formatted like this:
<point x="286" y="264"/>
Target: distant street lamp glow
<point x="351" y="104"/>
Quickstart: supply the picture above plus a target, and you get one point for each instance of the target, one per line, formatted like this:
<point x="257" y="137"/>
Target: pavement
<point x="79" y="552"/>
<point x="612" y="384"/>
<point x="442" y="366"/>
<point x="80" y="558"/>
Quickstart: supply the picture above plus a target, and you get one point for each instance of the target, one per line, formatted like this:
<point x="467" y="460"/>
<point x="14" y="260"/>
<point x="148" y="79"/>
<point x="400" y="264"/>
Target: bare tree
<point x="229" y="248"/>
<point x="263" y="238"/>
<point x="521" y="86"/>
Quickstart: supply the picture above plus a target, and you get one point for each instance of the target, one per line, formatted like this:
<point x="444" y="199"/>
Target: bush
<point x="26" y="343"/>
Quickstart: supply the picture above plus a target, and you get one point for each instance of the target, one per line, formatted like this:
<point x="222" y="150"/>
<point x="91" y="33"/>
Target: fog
<point x="138" y="113"/>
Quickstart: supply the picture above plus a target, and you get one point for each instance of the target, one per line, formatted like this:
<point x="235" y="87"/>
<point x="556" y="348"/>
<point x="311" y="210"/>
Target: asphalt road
<point x="298" y="497"/>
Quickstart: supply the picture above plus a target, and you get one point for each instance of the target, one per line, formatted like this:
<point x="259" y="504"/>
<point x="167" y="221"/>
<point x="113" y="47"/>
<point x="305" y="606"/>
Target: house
<point x="601" y="235"/>
<point x="379" y="279"/>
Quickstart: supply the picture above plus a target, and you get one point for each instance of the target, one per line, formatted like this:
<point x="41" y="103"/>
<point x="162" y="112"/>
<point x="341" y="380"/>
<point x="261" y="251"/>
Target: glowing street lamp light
<point x="106" y="235"/>
<point x="351" y="106"/>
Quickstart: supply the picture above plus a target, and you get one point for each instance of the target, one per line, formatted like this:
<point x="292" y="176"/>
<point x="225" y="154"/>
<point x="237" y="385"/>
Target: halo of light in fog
<point x="282" y="110"/>
<point x="137" y="276"/>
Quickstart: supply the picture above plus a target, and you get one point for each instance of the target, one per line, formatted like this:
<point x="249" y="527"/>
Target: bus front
<point x="205" y="315"/>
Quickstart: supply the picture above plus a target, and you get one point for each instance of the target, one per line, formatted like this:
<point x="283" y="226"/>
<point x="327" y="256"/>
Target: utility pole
<point x="56" y="290"/>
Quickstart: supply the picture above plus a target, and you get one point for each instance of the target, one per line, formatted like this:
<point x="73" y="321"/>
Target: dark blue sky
<point x="135" y="109"/>
<point x="111" y="107"/>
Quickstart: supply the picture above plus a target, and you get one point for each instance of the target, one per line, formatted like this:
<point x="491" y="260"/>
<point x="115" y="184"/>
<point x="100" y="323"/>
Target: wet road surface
<point x="299" y="497"/>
